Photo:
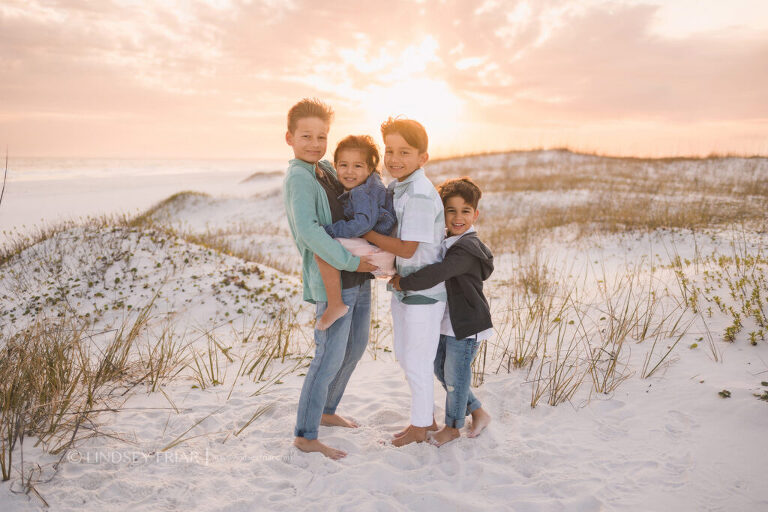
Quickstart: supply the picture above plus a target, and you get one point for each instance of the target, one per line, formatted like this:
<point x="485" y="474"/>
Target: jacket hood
<point x="472" y="244"/>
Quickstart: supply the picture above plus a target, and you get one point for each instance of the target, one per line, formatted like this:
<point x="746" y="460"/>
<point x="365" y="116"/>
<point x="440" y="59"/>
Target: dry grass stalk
<point x="164" y="358"/>
<point x="381" y="325"/>
<point x="207" y="367"/>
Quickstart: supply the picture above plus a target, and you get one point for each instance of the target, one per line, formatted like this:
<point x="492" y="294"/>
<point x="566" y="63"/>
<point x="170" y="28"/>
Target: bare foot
<point x="412" y="435"/>
<point x="334" y="420"/>
<point x="480" y="420"/>
<point x="313" y="445"/>
<point x="445" y="435"/>
<point x="330" y="315"/>
<point x="431" y="428"/>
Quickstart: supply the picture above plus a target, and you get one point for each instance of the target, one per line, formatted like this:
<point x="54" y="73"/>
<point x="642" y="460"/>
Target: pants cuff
<point x="454" y="422"/>
<point x="328" y="410"/>
<point x="306" y="435"/>
<point x="473" y="406"/>
<point x="424" y="423"/>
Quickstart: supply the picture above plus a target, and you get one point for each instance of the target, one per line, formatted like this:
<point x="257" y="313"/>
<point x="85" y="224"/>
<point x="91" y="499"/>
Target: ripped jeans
<point x="453" y="368"/>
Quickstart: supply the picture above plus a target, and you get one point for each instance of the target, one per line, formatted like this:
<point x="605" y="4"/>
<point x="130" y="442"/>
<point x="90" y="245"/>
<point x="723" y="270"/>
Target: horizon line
<point x="585" y="152"/>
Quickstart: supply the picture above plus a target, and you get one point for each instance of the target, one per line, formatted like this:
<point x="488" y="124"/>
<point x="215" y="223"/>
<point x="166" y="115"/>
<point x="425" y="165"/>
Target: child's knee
<point x="451" y="380"/>
<point x="449" y="383"/>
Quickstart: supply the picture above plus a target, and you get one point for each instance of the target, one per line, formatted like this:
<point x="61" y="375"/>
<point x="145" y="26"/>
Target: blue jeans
<point x="453" y="368"/>
<point x="337" y="351"/>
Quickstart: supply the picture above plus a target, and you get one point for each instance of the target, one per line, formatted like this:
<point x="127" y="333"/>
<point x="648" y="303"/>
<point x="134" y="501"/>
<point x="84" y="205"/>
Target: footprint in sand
<point x="679" y="423"/>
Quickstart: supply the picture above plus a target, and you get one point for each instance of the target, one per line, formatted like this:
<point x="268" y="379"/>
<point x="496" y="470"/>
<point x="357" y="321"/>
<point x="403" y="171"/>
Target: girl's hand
<point x="395" y="282"/>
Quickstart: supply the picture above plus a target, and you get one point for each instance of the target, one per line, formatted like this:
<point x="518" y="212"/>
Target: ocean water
<point x="41" y="191"/>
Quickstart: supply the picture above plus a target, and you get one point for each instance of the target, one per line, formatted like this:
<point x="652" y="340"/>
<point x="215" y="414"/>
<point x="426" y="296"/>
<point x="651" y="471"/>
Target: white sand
<point x="664" y="443"/>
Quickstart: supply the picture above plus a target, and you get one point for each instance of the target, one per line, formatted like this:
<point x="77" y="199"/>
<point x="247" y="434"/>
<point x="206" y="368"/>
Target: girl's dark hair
<point x="363" y="143"/>
<point x="463" y="187"/>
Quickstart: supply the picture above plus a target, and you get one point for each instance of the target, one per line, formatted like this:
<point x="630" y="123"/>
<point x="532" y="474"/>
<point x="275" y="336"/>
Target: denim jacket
<point x="367" y="207"/>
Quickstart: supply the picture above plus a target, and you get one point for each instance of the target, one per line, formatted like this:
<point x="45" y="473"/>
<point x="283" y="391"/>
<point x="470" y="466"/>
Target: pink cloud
<point x="152" y="71"/>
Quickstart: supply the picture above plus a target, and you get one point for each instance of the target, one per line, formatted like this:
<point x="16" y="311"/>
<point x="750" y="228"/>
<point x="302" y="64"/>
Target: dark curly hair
<point x="463" y="187"/>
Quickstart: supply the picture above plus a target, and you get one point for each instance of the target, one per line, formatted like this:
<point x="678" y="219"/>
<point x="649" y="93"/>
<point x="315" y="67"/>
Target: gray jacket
<point x="467" y="263"/>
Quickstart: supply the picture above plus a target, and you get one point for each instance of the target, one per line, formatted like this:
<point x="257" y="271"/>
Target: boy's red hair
<point x="412" y="131"/>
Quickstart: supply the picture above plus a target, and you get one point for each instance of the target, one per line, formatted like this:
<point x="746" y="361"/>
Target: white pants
<point x="416" y="336"/>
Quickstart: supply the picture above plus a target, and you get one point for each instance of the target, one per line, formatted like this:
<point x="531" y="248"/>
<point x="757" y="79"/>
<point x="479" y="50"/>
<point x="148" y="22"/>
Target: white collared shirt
<point x="420" y="218"/>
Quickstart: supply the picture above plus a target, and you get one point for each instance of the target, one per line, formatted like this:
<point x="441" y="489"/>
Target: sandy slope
<point x="668" y="442"/>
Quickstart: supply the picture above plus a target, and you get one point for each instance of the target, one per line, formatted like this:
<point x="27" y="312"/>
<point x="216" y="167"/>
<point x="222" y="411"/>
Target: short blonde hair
<point x="309" y="107"/>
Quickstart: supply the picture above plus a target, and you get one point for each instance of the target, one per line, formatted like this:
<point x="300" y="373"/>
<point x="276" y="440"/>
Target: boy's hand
<point x="366" y="265"/>
<point x="395" y="282"/>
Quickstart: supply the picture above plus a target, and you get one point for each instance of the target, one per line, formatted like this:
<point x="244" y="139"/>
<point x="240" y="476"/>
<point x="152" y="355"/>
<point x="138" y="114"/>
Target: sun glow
<point x="431" y="102"/>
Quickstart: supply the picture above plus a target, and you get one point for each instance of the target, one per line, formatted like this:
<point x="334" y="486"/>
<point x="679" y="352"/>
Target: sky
<point x="215" y="78"/>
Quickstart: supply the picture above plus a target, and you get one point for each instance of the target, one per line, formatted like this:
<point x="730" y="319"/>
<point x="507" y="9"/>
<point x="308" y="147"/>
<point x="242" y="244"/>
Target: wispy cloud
<point x="214" y="78"/>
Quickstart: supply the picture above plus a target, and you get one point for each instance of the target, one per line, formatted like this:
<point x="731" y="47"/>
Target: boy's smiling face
<point x="459" y="215"/>
<point x="309" y="140"/>
<point x="352" y="168"/>
<point x="400" y="158"/>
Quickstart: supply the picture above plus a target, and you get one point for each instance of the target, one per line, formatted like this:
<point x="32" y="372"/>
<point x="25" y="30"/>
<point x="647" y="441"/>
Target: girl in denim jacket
<point x="368" y="207"/>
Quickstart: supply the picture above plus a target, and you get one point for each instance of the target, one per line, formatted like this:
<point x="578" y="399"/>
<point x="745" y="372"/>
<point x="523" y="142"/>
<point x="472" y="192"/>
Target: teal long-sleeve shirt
<point x="307" y="209"/>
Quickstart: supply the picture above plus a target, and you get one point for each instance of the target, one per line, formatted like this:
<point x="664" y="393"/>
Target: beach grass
<point x="570" y="332"/>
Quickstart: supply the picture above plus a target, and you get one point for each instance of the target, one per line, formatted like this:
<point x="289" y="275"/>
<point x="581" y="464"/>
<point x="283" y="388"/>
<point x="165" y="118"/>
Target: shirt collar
<point x="400" y="185"/>
<point x="449" y="241"/>
<point x="301" y="163"/>
<point x="325" y="165"/>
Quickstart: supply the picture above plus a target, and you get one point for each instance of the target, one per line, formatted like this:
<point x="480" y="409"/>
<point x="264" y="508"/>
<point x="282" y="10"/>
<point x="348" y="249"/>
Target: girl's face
<point x="352" y="168"/>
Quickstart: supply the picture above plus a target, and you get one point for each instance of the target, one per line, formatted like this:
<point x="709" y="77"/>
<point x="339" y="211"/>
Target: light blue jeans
<point x="337" y="351"/>
<point x="453" y="368"/>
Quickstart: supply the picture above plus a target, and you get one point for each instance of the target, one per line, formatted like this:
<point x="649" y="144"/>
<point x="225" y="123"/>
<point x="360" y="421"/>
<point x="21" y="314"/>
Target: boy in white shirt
<point x="416" y="316"/>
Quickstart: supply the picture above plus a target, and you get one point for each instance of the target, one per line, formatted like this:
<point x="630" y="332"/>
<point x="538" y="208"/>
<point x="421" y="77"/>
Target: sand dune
<point x="665" y="441"/>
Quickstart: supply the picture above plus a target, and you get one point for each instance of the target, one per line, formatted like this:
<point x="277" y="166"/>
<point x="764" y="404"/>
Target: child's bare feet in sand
<point x="334" y="420"/>
<point x="313" y="445"/>
<point x="330" y="315"/>
<point x="445" y="435"/>
<point x="412" y="435"/>
<point x="431" y="428"/>
<point x="480" y="420"/>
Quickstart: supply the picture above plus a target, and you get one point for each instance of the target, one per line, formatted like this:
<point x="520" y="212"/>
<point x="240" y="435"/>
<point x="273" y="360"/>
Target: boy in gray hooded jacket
<point x="467" y="262"/>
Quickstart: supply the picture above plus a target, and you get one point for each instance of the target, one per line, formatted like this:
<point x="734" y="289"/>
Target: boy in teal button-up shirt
<point x="307" y="209"/>
<point x="340" y="347"/>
